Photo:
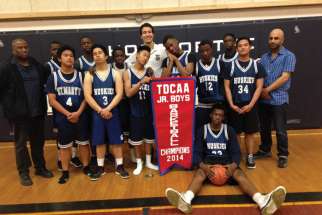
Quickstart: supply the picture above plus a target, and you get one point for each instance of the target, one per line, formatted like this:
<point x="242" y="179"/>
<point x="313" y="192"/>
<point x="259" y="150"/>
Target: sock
<point x="259" y="199"/>
<point x="64" y="178"/>
<point x="188" y="196"/>
<point x="149" y="164"/>
<point x="100" y="162"/>
<point x="118" y="161"/>
<point x="74" y="150"/>
<point x="139" y="166"/>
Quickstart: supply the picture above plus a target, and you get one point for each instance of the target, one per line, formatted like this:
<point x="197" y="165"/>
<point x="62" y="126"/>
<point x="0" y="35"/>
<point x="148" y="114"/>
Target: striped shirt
<point x="283" y="62"/>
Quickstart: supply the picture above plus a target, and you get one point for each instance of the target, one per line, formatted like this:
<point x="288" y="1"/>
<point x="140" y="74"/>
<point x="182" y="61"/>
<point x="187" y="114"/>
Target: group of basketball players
<point x="97" y="100"/>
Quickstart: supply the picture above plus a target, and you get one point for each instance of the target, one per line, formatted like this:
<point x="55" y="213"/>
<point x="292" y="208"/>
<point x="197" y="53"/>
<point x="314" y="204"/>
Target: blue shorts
<point x="109" y="129"/>
<point x="69" y="133"/>
<point x="141" y="129"/>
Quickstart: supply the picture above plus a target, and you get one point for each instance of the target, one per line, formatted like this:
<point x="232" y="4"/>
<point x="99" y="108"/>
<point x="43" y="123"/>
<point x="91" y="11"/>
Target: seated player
<point x="65" y="93"/>
<point x="217" y="144"/>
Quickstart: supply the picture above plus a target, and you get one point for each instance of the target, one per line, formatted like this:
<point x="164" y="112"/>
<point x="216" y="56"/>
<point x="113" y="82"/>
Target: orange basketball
<point x="220" y="177"/>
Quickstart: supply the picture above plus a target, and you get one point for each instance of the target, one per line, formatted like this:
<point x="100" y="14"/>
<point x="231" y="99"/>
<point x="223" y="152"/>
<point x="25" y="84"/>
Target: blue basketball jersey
<point x="227" y="61"/>
<point x="54" y="67"/>
<point x="210" y="90"/>
<point x="215" y="148"/>
<point x="84" y="64"/>
<point x="243" y="81"/>
<point x="69" y="93"/>
<point x="140" y="102"/>
<point x="104" y="88"/>
<point x="184" y="62"/>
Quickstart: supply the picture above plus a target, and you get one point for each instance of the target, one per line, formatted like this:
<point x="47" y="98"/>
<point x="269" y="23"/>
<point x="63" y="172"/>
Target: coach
<point x="279" y="64"/>
<point x="22" y="95"/>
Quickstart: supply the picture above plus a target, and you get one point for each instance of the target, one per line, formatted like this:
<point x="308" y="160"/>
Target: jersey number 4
<point x="69" y="102"/>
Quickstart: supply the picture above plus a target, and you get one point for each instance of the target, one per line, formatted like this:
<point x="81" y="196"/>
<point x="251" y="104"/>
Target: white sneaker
<point x="275" y="200"/>
<point x="152" y="166"/>
<point x="177" y="199"/>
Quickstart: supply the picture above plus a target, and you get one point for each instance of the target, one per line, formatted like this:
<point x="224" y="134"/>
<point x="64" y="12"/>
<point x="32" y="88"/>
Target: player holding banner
<point x="216" y="143"/>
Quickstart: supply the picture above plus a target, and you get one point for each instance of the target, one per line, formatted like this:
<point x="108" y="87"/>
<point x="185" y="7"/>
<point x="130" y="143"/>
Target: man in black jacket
<point x="22" y="95"/>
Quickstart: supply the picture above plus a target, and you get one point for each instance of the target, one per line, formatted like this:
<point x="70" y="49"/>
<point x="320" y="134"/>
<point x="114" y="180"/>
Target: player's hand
<point x="246" y="108"/>
<point x="106" y="114"/>
<point x="265" y="94"/>
<point x="207" y="170"/>
<point x="236" y="109"/>
<point x="73" y="117"/>
<point x="145" y="80"/>
<point x="172" y="58"/>
<point x="229" y="170"/>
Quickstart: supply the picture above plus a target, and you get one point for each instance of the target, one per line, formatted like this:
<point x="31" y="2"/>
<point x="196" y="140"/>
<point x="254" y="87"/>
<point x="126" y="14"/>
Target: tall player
<point x="210" y="82"/>
<point x="217" y="144"/>
<point x="65" y="92"/>
<point x="85" y="62"/>
<point x="157" y="54"/>
<point x="230" y="54"/>
<point x="103" y="88"/>
<point x="137" y="88"/>
<point x="53" y="64"/>
<point x="178" y="62"/>
<point x="244" y="82"/>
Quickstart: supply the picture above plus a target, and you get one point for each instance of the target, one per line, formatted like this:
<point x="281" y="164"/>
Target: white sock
<point x="118" y="161"/>
<point x="260" y="199"/>
<point x="188" y="196"/>
<point x="74" y="151"/>
<point x="139" y="166"/>
<point x="149" y="164"/>
<point x="100" y="162"/>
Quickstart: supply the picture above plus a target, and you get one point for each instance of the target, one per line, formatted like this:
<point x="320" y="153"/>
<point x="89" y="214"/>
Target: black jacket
<point x="12" y="91"/>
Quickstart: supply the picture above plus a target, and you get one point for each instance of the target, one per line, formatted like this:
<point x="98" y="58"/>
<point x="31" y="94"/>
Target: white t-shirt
<point x="157" y="55"/>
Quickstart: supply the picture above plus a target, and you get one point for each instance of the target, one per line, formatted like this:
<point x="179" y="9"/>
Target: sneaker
<point x="87" y="170"/>
<point x="250" y="163"/>
<point x="275" y="200"/>
<point x="44" y="173"/>
<point x="76" y="162"/>
<point x="64" y="178"/>
<point x="97" y="174"/>
<point x="59" y="166"/>
<point x="25" y="179"/>
<point x="282" y="162"/>
<point x="176" y="199"/>
<point x="261" y="154"/>
<point x="122" y="172"/>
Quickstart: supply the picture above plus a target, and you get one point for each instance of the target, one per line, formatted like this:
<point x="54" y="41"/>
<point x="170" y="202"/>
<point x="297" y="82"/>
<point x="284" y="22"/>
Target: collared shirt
<point x="157" y="55"/>
<point x="283" y="62"/>
<point x="31" y="81"/>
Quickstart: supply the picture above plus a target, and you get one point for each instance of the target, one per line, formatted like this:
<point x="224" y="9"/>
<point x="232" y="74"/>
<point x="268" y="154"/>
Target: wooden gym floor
<point x="145" y="194"/>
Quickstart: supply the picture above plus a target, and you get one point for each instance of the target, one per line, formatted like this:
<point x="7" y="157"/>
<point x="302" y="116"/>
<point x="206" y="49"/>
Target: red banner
<point x="173" y="102"/>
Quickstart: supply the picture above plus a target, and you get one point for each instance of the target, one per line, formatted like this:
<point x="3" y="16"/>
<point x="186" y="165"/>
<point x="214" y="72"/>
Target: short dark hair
<point x="117" y="48"/>
<point x="100" y="47"/>
<point x="244" y="38"/>
<point x="86" y="37"/>
<point x="55" y="42"/>
<point x="206" y="42"/>
<point x="64" y="48"/>
<point x="146" y="25"/>
<point x="167" y="37"/>
<point x="230" y="35"/>
<point x="143" y="48"/>
<point x="219" y="106"/>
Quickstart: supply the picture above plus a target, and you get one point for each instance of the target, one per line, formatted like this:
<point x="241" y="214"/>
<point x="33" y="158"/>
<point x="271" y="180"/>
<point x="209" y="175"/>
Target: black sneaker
<point x="64" y="178"/>
<point x="261" y="154"/>
<point x="97" y="174"/>
<point x="250" y="163"/>
<point x="59" y="166"/>
<point x="44" y="173"/>
<point x="121" y="172"/>
<point x="282" y="162"/>
<point x="87" y="170"/>
<point x="76" y="162"/>
<point x="25" y="179"/>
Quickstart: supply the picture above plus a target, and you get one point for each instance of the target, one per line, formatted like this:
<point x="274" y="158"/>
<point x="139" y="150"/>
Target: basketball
<point x="220" y="177"/>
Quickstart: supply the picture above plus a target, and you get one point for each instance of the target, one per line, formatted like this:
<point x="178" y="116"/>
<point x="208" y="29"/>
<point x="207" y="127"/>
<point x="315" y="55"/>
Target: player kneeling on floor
<point x="216" y="144"/>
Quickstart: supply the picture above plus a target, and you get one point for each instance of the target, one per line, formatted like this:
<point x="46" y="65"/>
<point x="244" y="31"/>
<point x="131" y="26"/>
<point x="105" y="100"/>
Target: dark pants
<point x="31" y="129"/>
<point x="275" y="114"/>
